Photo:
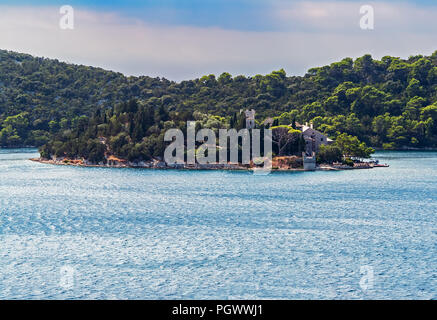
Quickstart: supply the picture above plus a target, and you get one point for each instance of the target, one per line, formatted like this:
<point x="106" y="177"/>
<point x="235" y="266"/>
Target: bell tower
<point x="250" y="119"/>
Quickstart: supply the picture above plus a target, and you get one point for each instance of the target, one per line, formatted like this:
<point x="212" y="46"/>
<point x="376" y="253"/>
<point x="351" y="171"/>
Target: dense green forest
<point x="135" y="132"/>
<point x="389" y="103"/>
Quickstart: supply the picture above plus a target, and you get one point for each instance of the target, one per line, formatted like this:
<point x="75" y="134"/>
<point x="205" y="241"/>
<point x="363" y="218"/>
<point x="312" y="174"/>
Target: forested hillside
<point x="391" y="103"/>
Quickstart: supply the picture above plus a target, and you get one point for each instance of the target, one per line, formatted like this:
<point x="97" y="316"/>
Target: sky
<point x="185" y="39"/>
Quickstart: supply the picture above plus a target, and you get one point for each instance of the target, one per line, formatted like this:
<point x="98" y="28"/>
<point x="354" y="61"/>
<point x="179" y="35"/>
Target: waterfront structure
<point x="309" y="162"/>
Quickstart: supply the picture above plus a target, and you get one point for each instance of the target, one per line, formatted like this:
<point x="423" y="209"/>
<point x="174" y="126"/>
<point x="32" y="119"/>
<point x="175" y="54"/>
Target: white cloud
<point x="315" y="36"/>
<point x="342" y="16"/>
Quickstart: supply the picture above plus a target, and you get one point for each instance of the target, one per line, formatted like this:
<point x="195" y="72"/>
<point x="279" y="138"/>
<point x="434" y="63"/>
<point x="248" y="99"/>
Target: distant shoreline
<point x="406" y="149"/>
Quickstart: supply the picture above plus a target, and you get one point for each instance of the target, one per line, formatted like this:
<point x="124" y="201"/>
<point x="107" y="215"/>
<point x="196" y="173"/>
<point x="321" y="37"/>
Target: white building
<point x="313" y="139"/>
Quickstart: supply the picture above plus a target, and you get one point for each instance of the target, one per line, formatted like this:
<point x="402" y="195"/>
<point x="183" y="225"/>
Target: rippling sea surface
<point x="101" y="233"/>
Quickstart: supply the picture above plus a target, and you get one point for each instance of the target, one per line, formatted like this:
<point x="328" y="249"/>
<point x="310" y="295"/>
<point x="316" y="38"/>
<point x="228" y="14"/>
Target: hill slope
<point x="390" y="103"/>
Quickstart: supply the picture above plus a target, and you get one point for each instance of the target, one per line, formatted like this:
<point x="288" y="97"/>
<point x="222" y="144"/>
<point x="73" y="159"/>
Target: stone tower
<point x="250" y="119"/>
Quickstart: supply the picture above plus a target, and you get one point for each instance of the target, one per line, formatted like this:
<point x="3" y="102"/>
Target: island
<point x="293" y="147"/>
<point x="81" y="115"/>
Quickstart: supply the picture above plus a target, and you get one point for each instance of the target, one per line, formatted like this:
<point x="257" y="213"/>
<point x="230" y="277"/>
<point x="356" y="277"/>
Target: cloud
<point x="343" y="17"/>
<point x="308" y="35"/>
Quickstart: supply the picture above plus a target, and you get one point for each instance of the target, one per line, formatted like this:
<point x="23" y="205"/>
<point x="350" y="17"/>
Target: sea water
<point x="104" y="233"/>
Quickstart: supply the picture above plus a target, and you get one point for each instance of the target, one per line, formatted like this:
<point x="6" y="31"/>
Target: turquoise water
<point x="97" y="233"/>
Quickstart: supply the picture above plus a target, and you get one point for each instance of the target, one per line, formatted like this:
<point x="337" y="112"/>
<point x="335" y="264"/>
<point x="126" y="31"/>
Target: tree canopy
<point x="388" y="103"/>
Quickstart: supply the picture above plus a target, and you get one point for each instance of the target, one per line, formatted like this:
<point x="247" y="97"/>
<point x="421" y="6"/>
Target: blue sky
<point x="229" y="14"/>
<point x="182" y="39"/>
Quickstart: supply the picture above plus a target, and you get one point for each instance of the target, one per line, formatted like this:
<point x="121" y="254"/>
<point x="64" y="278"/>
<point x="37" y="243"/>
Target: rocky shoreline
<point x="163" y="166"/>
<point x="142" y="165"/>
